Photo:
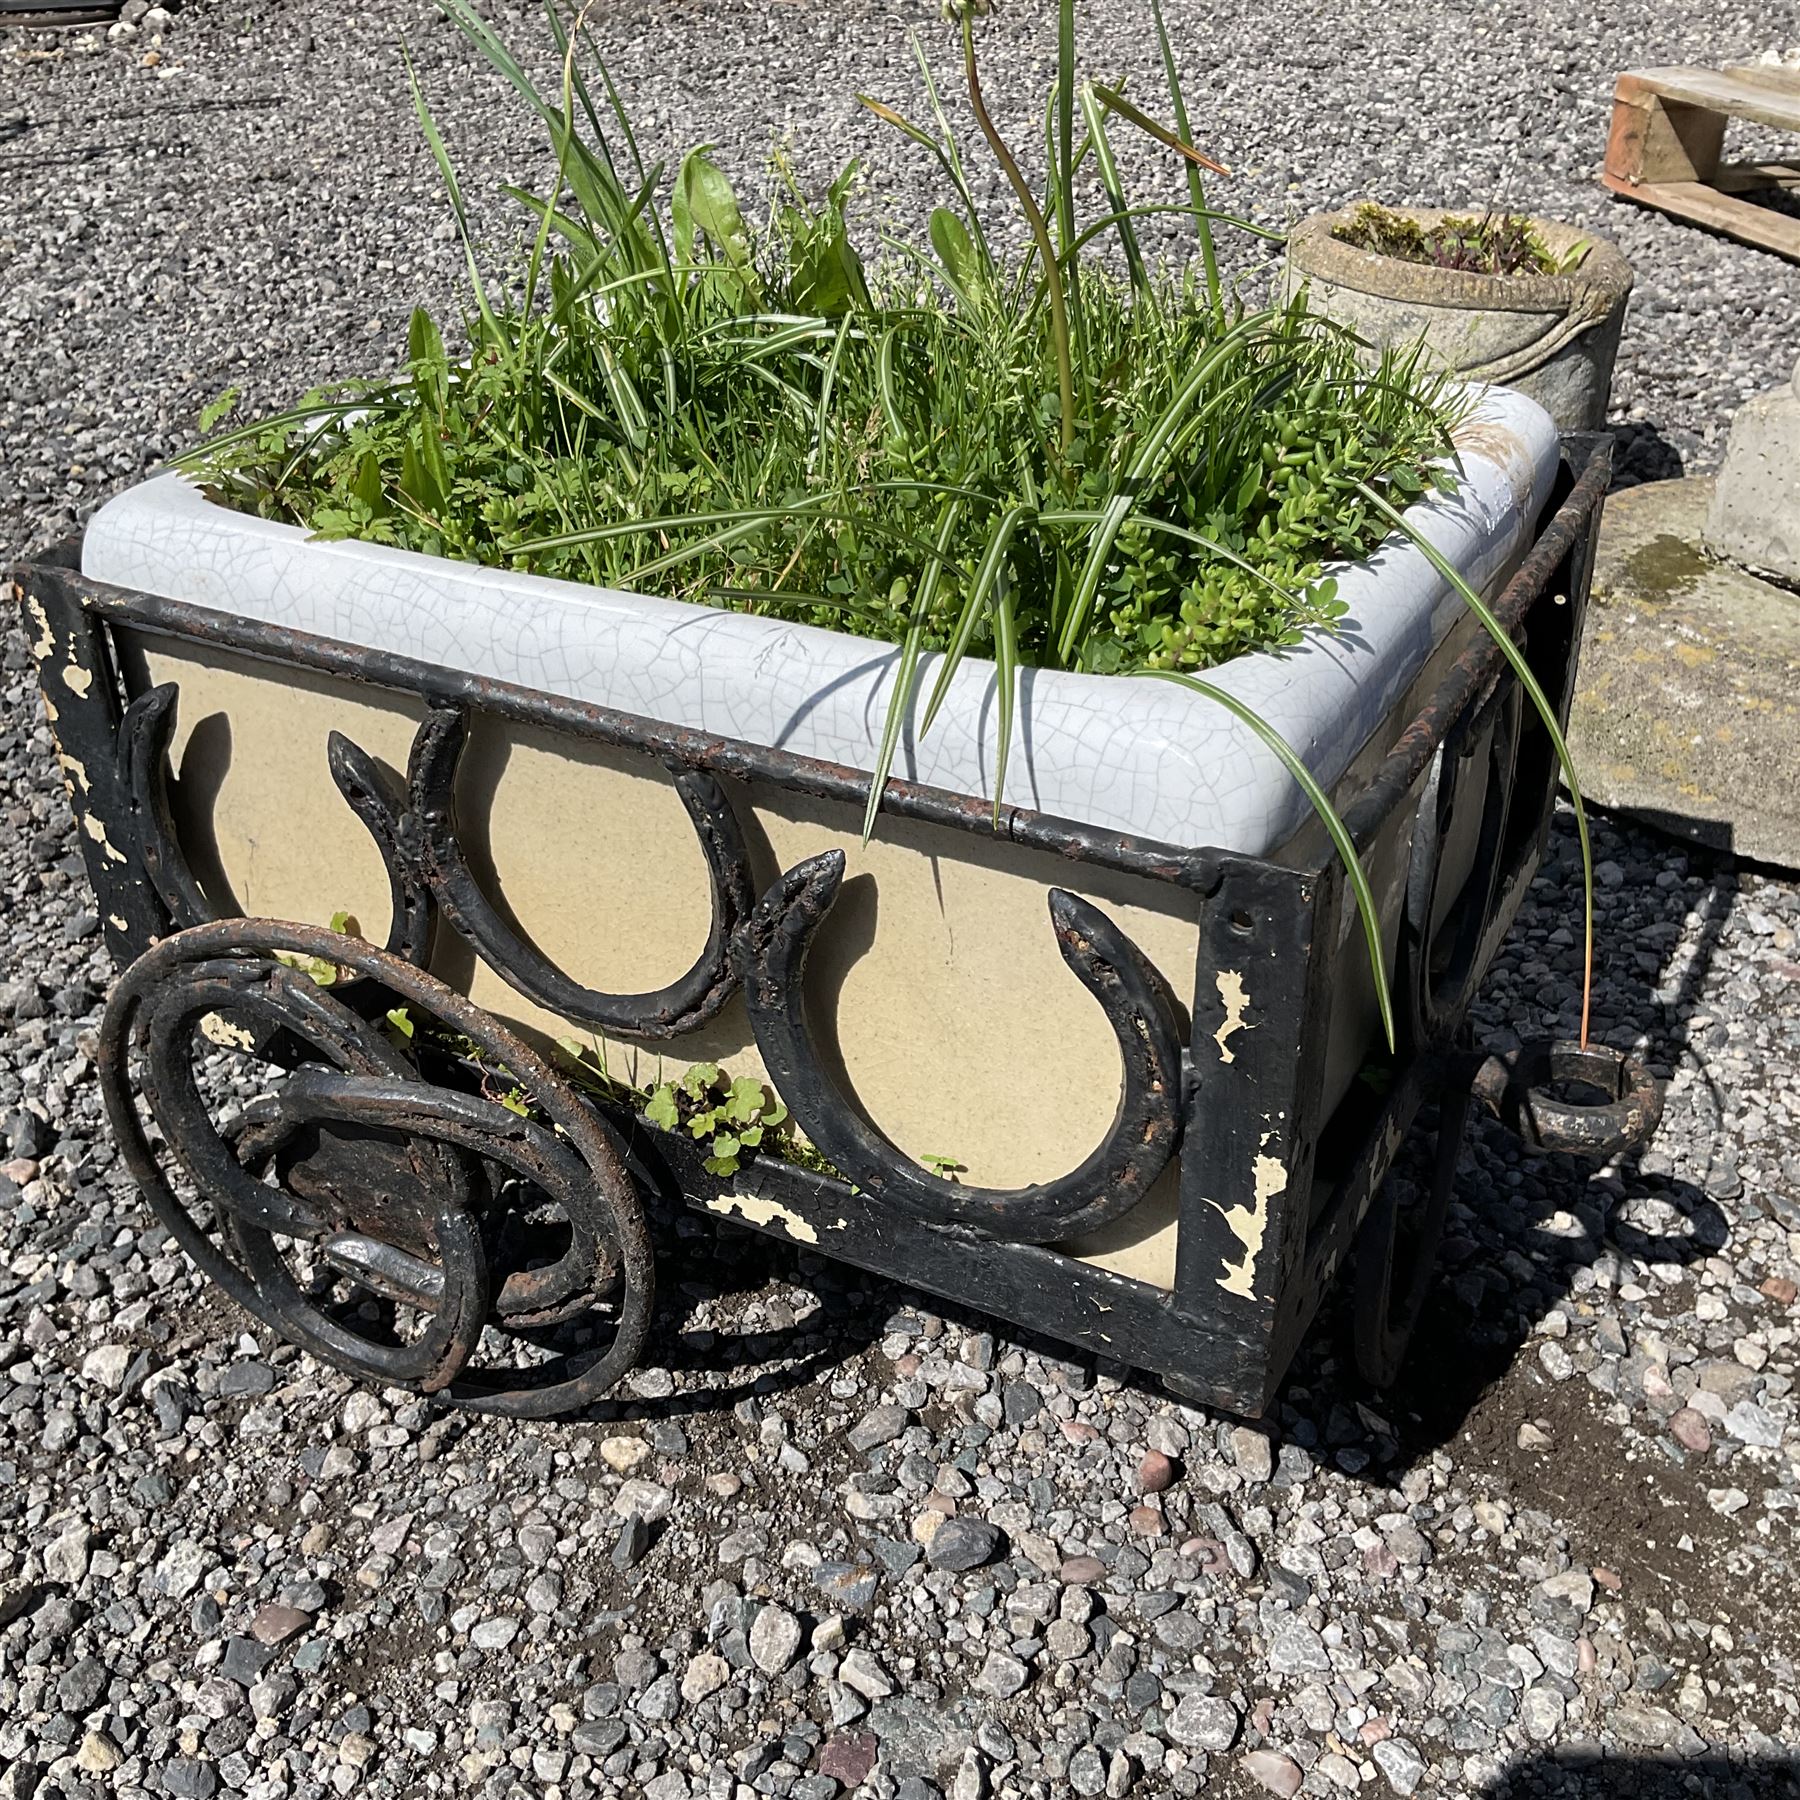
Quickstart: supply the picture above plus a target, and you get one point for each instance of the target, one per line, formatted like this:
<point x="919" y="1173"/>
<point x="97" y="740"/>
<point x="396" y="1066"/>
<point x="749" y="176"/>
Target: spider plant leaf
<point x="1328" y="817"/>
<point x="1006" y="675"/>
<point x="946" y="158"/>
<point x="934" y="556"/>
<point x="1113" y="189"/>
<point x="597" y="189"/>
<point x="952" y="155"/>
<point x="1108" y="222"/>
<point x="564" y="41"/>
<point x="453" y="190"/>
<point x="323" y="410"/>
<point x="627" y="401"/>
<point x="573" y="232"/>
<point x="1209" y="256"/>
<point x="1546" y="712"/>
<point x="987" y="572"/>
<point x="900" y="704"/>
<point x="887" y="384"/>
<point x="826" y="386"/>
<point x="1116" y="102"/>
<point x="1145" y="465"/>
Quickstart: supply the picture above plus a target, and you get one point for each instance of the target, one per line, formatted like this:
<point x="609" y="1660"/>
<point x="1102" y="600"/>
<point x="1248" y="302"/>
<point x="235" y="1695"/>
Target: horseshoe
<point x="772" y="952"/>
<point x="665" y="1012"/>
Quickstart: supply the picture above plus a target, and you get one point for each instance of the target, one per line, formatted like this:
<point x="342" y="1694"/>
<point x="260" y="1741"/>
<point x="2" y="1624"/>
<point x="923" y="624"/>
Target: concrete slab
<point x="1754" y="518"/>
<point x="1688" y="710"/>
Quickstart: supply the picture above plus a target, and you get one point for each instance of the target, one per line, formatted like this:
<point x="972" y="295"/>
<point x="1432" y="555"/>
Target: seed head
<point x="958" y="10"/>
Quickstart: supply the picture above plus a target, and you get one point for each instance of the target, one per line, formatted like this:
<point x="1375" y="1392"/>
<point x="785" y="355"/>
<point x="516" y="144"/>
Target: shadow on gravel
<point x="1573" y="1775"/>
<point x="730" y="1268"/>
<point x="1522" y="1226"/>
<point x="1641" y="453"/>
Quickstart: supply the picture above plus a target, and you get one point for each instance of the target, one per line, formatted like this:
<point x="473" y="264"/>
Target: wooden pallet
<point x="1668" y="135"/>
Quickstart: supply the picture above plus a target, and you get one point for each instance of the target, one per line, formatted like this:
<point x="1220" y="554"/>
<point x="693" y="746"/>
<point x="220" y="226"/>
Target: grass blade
<point x="1545" y="711"/>
<point x="1006" y="676"/>
<point x="1114" y="101"/>
<point x="1209" y="256"/>
<point x="1328" y="817"/>
<point x="1095" y="117"/>
<point x="987" y="572"/>
<point x="1149" y="457"/>
<point x="904" y="676"/>
<point x="446" y="169"/>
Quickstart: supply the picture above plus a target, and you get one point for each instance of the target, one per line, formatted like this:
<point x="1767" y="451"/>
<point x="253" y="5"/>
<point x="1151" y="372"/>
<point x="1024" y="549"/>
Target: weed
<point x="1496" y="243"/>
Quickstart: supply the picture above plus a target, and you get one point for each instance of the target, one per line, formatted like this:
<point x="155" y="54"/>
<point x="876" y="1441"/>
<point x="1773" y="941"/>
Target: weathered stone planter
<point x="1136" y="1014"/>
<point x="1554" y="337"/>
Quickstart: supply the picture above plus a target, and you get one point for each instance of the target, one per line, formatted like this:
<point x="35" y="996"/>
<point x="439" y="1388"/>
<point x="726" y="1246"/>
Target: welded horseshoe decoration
<point x="456" y="1211"/>
<point x="772" y="953"/>
<point x="663" y="1013"/>
<point x="145" y="733"/>
<point x="360" y="781"/>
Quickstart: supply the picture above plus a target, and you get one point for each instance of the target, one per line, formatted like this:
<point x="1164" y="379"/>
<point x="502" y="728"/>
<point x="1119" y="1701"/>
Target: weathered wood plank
<point x="1702" y="205"/>
<point x="1741" y="93"/>
<point x="1667" y="136"/>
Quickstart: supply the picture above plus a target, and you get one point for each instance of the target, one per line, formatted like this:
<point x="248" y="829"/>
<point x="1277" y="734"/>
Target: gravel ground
<point x="840" y="1537"/>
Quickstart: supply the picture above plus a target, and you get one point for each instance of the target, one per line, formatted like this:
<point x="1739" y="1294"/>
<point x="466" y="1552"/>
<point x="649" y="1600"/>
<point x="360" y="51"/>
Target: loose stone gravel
<point x="840" y="1540"/>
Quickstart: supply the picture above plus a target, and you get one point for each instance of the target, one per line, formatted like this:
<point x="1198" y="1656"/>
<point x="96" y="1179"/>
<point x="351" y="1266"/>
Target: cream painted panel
<point x="936" y="983"/>
<point x="261" y="821"/>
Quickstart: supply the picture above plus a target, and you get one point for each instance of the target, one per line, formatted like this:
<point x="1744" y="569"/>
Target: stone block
<point x="1687" y="712"/>
<point x="1754" y="518"/>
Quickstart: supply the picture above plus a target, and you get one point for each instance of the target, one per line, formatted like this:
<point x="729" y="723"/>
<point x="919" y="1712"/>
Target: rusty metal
<point x="144" y="736"/>
<point x="410" y="914"/>
<point x="1521" y="1089"/>
<point x="377" y="1160"/>
<point x="1562" y="538"/>
<point x="687" y="1002"/>
<point x="1397" y="1244"/>
<point x="146" y="730"/>
<point x="390" y="1178"/>
<point x="772" y="954"/>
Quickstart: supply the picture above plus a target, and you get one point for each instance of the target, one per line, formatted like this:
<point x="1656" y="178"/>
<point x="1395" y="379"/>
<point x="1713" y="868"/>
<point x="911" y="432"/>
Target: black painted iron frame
<point x="1272" y="1193"/>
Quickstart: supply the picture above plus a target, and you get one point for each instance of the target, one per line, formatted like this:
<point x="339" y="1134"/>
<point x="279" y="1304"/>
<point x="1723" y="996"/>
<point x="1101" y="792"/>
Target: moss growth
<point x="1665" y="566"/>
<point x="1491" y="244"/>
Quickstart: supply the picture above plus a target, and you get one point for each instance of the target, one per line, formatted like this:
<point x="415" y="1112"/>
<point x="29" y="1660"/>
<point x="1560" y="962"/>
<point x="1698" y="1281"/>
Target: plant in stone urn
<point x="1495" y="296"/>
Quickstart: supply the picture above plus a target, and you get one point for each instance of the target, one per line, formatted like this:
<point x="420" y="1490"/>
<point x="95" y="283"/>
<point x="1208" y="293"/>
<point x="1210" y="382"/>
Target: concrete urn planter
<point x="1554" y="337"/>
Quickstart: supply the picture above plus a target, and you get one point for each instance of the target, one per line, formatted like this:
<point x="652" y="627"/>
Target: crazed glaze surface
<point x="1138" y="756"/>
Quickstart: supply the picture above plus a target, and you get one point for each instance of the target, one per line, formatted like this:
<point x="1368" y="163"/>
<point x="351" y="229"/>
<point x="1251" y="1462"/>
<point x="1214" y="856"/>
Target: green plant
<point x="736" y="1116"/>
<point x="1046" y="460"/>
<point x="1495" y="243"/>
<point x="323" y="973"/>
<point x="730" y="1115"/>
